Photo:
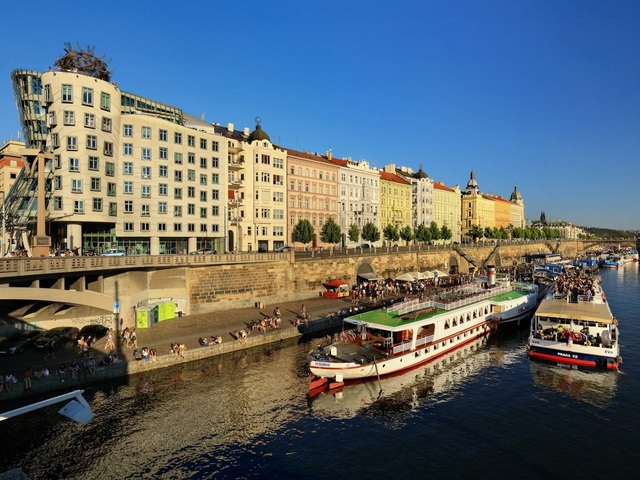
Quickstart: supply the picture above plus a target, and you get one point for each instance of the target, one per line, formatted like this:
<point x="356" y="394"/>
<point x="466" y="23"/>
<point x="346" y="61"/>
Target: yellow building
<point x="395" y="199"/>
<point x="446" y="208"/>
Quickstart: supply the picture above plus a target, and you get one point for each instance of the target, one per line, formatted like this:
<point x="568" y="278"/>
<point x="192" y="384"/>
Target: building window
<point x="215" y="178"/>
<point x="146" y="172"/>
<point x="67" y="93"/>
<point x="163" y="189"/>
<point x="163" y="153"/>
<point x="106" y="124"/>
<point x="177" y="138"/>
<point x="74" y="164"/>
<point x="57" y="182"/>
<point x="108" y="149"/>
<point x="146" y="191"/>
<point x="89" y="120"/>
<point x="57" y="203"/>
<point x="146" y="153"/>
<point x="191" y="175"/>
<point x="278" y="163"/>
<point x="191" y="141"/>
<point x="144" y="226"/>
<point x="214" y="146"/>
<point x="177" y="158"/>
<point x="69" y="117"/>
<point x="191" y="158"/>
<point x="109" y="169"/>
<point x="163" y="171"/>
<point x="215" y="194"/>
<point x="203" y="179"/>
<point x="162" y="227"/>
<point x="203" y="143"/>
<point x="215" y="211"/>
<point x="72" y="143"/>
<point x="92" y="142"/>
<point x="215" y="162"/>
<point x="278" y="179"/>
<point x="87" y="96"/>
<point x="128" y="206"/>
<point x="162" y="135"/>
<point x="113" y="209"/>
<point x="177" y="175"/>
<point x="127" y="168"/>
<point x="191" y="192"/>
<point x="162" y="207"/>
<point x="146" y="132"/>
<point x="128" y="149"/>
<point x="97" y="204"/>
<point x="203" y="196"/>
<point x="203" y="228"/>
<point x="191" y="209"/>
<point x="127" y="226"/>
<point x="128" y="188"/>
<point x="177" y="210"/>
<point x="95" y="184"/>
<point x="203" y="162"/>
<point x="177" y="227"/>
<point x="78" y="206"/>
<point x="203" y="212"/>
<point x="145" y="211"/>
<point x="177" y="193"/>
<point x="127" y="130"/>
<point x="278" y="231"/>
<point x="105" y="101"/>
<point x="76" y="186"/>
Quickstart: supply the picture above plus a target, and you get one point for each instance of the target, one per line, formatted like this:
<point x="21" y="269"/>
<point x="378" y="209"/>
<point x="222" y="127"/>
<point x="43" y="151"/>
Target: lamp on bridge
<point x="41" y="241"/>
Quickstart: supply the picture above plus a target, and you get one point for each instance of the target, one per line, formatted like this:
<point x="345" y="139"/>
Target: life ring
<point x="577" y="337"/>
<point x="604" y="297"/>
<point x="565" y="334"/>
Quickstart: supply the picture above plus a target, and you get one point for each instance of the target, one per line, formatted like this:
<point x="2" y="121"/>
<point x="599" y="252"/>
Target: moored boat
<point x="574" y="326"/>
<point x="416" y="331"/>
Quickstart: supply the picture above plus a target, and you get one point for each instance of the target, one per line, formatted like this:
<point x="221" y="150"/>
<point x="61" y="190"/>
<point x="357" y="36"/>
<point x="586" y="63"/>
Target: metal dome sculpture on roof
<point x="516" y="196"/>
<point x="84" y="62"/>
<point x="258" y="133"/>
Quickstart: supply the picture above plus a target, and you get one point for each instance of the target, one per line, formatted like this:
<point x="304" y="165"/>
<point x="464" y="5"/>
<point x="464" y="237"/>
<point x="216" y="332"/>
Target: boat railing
<point x="402" y="347"/>
<point x="474" y="295"/>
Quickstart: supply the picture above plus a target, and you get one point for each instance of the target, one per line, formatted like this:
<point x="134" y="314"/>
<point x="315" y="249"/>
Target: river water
<point x="487" y="412"/>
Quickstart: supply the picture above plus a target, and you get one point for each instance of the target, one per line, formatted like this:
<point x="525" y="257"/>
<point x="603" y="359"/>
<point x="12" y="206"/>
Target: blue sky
<point x="539" y="94"/>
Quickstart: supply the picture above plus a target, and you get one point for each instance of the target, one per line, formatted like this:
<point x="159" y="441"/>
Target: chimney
<point x="245" y="131"/>
<point x="230" y="126"/>
<point x="329" y="156"/>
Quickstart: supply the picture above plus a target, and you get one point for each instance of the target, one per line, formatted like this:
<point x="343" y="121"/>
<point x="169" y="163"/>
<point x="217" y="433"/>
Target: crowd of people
<point x="574" y="283"/>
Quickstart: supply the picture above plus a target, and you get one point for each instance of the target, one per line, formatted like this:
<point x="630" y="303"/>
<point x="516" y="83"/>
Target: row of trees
<point x="331" y="233"/>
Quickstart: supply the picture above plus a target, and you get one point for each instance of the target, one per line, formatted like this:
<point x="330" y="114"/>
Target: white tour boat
<point x="413" y="332"/>
<point x="575" y="329"/>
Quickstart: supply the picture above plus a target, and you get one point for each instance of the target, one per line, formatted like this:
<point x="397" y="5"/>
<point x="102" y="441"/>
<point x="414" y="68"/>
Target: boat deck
<point x="351" y="352"/>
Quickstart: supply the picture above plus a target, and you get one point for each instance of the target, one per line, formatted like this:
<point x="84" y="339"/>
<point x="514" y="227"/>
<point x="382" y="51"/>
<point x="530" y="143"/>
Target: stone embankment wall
<point x="53" y="383"/>
<point x="243" y="285"/>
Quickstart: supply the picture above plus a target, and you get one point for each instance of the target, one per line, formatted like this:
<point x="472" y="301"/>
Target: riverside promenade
<point x="186" y="329"/>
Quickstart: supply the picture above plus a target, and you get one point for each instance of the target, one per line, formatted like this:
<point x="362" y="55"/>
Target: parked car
<point x="56" y="337"/>
<point x="282" y="249"/>
<point x="203" y="251"/>
<point x="114" y="253"/>
<point x="366" y="245"/>
<point x="19" y="341"/>
<point x="93" y="332"/>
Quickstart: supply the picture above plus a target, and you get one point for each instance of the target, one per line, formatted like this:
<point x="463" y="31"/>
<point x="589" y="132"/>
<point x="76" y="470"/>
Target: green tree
<point x="423" y="234"/>
<point x="391" y="233"/>
<point x="445" y="233"/>
<point x="330" y="232"/>
<point x="476" y="232"/>
<point x="354" y="233"/>
<point x="435" y="231"/>
<point x="303" y="232"/>
<point x="406" y="234"/>
<point x="370" y="232"/>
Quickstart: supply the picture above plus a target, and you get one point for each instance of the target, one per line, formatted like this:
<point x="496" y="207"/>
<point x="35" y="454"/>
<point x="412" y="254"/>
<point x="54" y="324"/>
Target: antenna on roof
<point x="202" y="116"/>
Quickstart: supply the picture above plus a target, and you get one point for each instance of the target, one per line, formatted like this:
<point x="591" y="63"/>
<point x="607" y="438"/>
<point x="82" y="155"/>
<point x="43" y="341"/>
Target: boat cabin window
<point x="446" y="324"/>
<point x="461" y="318"/>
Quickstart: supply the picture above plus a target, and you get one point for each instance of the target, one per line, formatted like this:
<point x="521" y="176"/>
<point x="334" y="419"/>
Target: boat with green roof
<point x="418" y="330"/>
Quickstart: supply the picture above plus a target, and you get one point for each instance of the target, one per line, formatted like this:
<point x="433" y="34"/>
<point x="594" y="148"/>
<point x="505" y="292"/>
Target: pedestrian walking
<point x="27" y="375"/>
<point x="110" y="343"/>
<point x="134" y="339"/>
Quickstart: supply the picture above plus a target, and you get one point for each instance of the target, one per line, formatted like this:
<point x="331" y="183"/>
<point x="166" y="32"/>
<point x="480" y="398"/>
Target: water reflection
<point x="595" y="388"/>
<point x="430" y="383"/>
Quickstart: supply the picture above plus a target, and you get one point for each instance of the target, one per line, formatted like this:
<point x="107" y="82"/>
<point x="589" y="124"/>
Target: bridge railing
<point x="27" y="266"/>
